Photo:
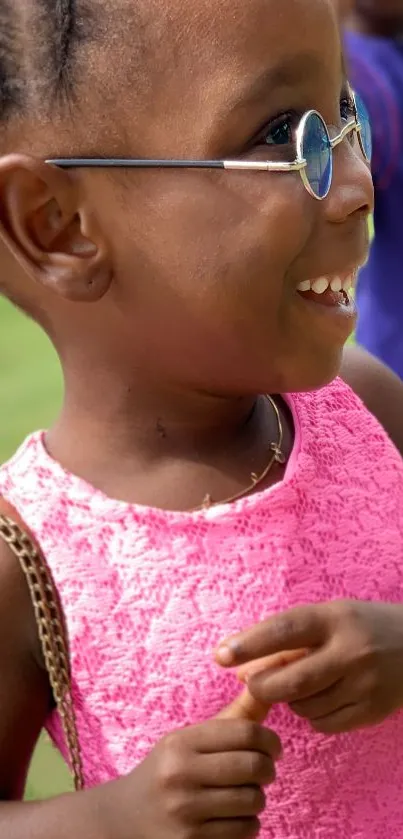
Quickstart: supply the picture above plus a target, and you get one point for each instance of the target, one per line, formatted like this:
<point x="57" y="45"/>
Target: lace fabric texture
<point x="148" y="594"/>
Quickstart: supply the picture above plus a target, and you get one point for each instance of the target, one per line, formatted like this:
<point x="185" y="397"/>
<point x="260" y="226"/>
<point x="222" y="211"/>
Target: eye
<point x="347" y="110"/>
<point x="279" y="132"/>
<point x="277" y="140"/>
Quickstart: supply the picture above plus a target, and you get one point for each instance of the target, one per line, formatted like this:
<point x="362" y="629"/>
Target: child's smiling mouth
<point x="327" y="305"/>
<point x="329" y="290"/>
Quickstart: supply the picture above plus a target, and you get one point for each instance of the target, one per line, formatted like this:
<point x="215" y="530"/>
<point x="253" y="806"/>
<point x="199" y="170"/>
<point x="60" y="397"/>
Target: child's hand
<point x="269" y="662"/>
<point x="204" y="782"/>
<point x="246" y="706"/>
<point x="352" y="676"/>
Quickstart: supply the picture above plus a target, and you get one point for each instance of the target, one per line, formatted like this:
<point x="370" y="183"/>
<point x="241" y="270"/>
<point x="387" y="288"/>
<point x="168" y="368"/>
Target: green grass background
<point x="30" y="394"/>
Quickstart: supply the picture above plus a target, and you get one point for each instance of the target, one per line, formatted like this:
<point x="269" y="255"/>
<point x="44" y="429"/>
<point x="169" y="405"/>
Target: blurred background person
<point x="374" y="49"/>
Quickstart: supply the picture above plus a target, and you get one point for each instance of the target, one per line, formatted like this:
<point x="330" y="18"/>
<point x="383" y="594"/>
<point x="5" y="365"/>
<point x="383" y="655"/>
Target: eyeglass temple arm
<point x="129" y="163"/>
<point x="264" y="166"/>
<point x="120" y="163"/>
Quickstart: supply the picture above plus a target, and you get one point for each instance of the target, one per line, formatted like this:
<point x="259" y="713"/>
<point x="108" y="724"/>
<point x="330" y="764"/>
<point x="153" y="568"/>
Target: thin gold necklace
<point x="277" y="456"/>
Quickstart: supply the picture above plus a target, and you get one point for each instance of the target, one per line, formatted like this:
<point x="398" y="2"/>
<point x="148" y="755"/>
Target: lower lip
<point x="337" y="309"/>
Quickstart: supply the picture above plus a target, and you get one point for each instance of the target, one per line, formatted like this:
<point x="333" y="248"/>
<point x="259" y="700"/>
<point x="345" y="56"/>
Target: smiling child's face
<point x="223" y="253"/>
<point x="206" y="264"/>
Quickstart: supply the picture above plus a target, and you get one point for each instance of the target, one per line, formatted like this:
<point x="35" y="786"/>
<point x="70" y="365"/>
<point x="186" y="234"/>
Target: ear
<point x="51" y="231"/>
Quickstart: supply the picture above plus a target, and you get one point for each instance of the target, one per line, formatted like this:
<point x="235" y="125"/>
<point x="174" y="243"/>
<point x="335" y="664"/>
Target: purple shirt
<point x="376" y="72"/>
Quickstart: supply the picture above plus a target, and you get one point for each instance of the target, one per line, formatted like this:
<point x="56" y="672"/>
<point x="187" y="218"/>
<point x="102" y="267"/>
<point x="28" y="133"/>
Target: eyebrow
<point x="286" y="74"/>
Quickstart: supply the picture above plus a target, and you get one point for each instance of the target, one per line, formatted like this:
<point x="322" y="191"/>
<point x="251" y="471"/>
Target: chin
<point x="313" y="373"/>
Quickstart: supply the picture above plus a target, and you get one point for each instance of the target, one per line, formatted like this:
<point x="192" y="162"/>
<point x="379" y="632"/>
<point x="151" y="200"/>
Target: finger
<point x="305" y="678"/>
<point x="234" y="735"/>
<point x="342" y="721"/>
<point x="304" y="626"/>
<point x="229" y="829"/>
<point x="245" y="706"/>
<point x="243" y="802"/>
<point x="270" y="662"/>
<point x="325" y="703"/>
<point x="235" y="769"/>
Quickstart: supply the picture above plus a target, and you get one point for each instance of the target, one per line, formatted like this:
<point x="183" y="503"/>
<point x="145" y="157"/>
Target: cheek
<point x="205" y="281"/>
<point x="212" y="262"/>
<point x="238" y="233"/>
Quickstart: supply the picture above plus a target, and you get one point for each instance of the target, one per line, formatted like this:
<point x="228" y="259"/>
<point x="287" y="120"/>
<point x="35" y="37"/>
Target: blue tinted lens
<point x="364" y="120"/>
<point x="317" y="152"/>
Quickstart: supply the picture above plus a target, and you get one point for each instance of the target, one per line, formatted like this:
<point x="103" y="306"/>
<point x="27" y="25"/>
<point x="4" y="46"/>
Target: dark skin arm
<point x="348" y="654"/>
<point x="24" y="690"/>
<point x="379" y="388"/>
<point x="25" y="701"/>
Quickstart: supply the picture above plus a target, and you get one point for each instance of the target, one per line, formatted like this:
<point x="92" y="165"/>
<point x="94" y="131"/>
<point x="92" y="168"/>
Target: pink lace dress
<point x="148" y="594"/>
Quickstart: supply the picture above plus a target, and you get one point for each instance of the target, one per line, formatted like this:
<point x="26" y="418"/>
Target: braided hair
<point x="39" y="51"/>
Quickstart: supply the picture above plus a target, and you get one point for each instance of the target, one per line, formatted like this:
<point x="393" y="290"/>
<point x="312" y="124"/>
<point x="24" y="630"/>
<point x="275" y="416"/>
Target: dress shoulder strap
<point x="50" y="624"/>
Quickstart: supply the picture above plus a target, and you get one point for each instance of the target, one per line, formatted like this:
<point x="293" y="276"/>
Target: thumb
<point x="245" y="707"/>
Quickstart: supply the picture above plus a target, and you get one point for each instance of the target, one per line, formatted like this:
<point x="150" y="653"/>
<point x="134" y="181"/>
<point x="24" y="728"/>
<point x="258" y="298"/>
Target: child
<point x="174" y="505"/>
<point x="375" y="53"/>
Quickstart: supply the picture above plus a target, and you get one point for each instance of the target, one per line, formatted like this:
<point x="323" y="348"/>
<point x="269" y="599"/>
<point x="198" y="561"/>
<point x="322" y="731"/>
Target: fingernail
<point x="225" y="655"/>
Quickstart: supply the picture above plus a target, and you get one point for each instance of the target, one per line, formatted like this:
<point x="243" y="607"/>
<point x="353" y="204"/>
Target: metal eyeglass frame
<point x="298" y="165"/>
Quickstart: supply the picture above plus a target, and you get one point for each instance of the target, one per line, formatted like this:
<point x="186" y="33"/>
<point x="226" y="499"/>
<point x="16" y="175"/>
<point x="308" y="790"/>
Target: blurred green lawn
<point x="30" y="391"/>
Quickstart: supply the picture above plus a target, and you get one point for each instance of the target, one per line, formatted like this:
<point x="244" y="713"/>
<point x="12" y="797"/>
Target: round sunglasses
<point x="313" y="160"/>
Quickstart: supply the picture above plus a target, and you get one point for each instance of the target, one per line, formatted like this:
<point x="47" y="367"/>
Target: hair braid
<point x="11" y="76"/>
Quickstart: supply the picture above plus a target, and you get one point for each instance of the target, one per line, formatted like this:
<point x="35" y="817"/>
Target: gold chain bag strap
<point x="51" y="627"/>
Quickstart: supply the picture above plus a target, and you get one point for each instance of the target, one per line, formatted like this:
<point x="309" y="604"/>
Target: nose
<point x="352" y="190"/>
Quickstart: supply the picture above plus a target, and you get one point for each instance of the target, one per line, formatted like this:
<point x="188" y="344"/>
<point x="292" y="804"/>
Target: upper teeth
<point x="321" y="285"/>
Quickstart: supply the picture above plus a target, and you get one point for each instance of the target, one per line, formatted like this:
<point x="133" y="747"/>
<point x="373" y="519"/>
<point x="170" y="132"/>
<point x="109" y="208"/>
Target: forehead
<point x="214" y="51"/>
<point x="234" y="37"/>
<point x="236" y="26"/>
